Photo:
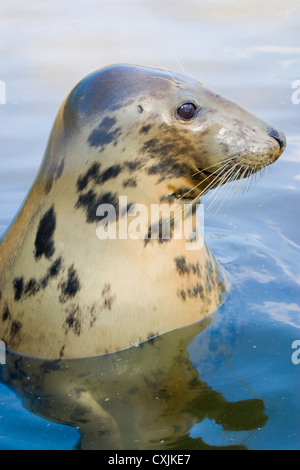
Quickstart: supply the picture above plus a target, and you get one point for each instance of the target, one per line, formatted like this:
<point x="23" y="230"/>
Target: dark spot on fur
<point x="221" y="284"/>
<point x="151" y="147"/>
<point x="160" y="231"/>
<point x="181" y="293"/>
<point x="44" y="244"/>
<point x="131" y="182"/>
<point x="59" y="169"/>
<point x="209" y="275"/>
<point x="32" y="287"/>
<point x="70" y="321"/>
<point x="44" y="282"/>
<point x="181" y="265"/>
<point x="111" y="172"/>
<point x="73" y="321"/>
<point x="169" y="198"/>
<point x="186" y="268"/>
<point x="90" y="201"/>
<point x="70" y="287"/>
<point x="6" y="313"/>
<point x="103" y="134"/>
<point x="18" y="284"/>
<point x="208" y="285"/>
<point x="120" y="105"/>
<point x="134" y="165"/>
<point x="54" y="172"/>
<point x="145" y="129"/>
<point x="108" y="298"/>
<point x="196" y="269"/>
<point x="93" y="173"/>
<point x="124" y="210"/>
<point x="48" y="185"/>
<point x="55" y="267"/>
<point x="170" y="145"/>
<point x="52" y="272"/>
<point x="169" y="152"/>
<point x="168" y="168"/>
<point x="15" y="328"/>
<point x="182" y="192"/>
<point x="196" y="291"/>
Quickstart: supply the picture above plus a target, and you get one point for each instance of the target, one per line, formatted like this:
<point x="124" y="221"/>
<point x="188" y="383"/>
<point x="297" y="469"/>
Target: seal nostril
<point x="278" y="136"/>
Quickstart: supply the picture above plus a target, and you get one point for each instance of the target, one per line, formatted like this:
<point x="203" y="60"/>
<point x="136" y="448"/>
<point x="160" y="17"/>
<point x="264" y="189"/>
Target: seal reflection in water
<point x="148" y="397"/>
<point x="152" y="137"/>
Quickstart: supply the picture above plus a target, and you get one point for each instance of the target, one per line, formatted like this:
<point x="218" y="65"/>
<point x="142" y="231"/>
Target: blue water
<point x="234" y="47"/>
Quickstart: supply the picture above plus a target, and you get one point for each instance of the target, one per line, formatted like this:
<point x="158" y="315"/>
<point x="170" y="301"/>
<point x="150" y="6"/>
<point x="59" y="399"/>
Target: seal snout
<point x="279" y="136"/>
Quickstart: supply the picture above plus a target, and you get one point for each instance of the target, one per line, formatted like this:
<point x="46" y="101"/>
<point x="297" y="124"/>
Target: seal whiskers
<point x="217" y="175"/>
<point x="214" y="164"/>
<point x="230" y="176"/>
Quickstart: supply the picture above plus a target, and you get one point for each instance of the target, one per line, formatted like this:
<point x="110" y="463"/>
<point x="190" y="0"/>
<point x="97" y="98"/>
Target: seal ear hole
<point x="140" y="108"/>
<point x="186" y="111"/>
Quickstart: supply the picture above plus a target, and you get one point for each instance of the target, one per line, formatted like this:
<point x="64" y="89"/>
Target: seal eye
<point x="186" y="111"/>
